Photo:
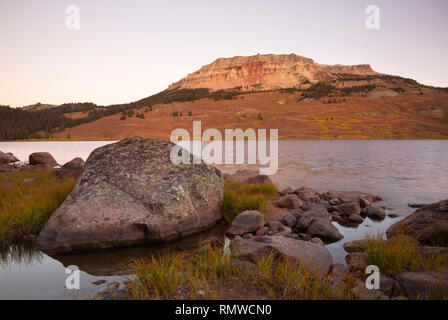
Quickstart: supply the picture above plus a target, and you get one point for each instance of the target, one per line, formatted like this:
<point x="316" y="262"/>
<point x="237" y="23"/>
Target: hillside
<point x="303" y="99"/>
<point x="408" y="115"/>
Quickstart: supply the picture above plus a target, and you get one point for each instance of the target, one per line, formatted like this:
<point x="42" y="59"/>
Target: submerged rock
<point x="131" y="193"/>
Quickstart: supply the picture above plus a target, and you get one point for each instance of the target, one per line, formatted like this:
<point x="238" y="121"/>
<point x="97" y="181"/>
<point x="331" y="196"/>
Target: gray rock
<point x="211" y="242"/>
<point x="286" y="191"/>
<point x="308" y="195"/>
<point x="73" y="168"/>
<point x="317" y="223"/>
<point x="355" y="218"/>
<point x="429" y="224"/>
<point x="337" y="218"/>
<point x="314" y="256"/>
<point x="246" y="222"/>
<point x="132" y="193"/>
<point x="43" y="158"/>
<point x="290" y="220"/>
<point x="261" y="231"/>
<point x="357" y="261"/>
<point x="317" y="241"/>
<point x="376" y="213"/>
<point x="275" y="226"/>
<point x="350" y="196"/>
<point x="7" y="168"/>
<point x="338" y="273"/>
<point x="289" y="201"/>
<point x="356" y="246"/>
<point x="6" y="158"/>
<point x="349" y="208"/>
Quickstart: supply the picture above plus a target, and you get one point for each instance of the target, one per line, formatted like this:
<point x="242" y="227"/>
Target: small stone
<point x="286" y="191"/>
<point x="317" y="240"/>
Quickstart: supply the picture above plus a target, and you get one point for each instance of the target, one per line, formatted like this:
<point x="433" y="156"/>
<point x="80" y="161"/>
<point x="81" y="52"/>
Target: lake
<point x="400" y="172"/>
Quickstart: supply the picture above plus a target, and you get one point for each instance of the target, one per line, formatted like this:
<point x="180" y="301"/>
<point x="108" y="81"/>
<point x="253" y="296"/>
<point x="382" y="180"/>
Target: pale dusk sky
<point x="128" y="50"/>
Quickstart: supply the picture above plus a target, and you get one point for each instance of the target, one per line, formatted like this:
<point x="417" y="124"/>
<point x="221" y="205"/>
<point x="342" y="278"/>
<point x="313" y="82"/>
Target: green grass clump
<point x="238" y="198"/>
<point x="210" y="275"/>
<point x="24" y="208"/>
<point x="402" y="253"/>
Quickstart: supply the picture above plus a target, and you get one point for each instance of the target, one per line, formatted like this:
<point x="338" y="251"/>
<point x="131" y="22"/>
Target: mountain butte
<point x="301" y="98"/>
<point x="266" y="72"/>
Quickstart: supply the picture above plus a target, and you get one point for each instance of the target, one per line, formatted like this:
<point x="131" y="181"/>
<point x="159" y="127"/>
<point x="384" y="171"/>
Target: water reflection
<point x="398" y="171"/>
<point x="23" y="253"/>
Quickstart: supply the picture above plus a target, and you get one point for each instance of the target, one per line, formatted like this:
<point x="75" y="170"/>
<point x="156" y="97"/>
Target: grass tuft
<point x="238" y="198"/>
<point x="24" y="208"/>
<point x="209" y="275"/>
<point x="402" y="253"/>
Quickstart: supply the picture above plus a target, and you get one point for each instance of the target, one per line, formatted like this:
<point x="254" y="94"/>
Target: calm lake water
<point x="398" y="171"/>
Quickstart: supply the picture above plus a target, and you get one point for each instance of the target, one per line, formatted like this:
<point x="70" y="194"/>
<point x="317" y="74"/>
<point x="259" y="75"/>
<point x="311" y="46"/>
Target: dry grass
<point x="24" y="208"/>
<point x="210" y="275"/>
<point x="402" y="253"/>
<point x="238" y="198"/>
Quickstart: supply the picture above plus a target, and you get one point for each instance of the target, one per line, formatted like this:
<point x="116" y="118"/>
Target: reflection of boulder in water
<point x="116" y="261"/>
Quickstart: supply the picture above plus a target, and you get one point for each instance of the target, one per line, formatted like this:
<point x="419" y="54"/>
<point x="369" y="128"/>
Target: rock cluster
<point x="41" y="161"/>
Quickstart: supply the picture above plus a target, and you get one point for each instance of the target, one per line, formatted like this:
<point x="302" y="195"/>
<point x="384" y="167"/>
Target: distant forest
<point x="17" y="124"/>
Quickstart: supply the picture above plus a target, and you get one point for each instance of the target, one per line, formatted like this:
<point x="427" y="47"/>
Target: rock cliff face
<point x="265" y="72"/>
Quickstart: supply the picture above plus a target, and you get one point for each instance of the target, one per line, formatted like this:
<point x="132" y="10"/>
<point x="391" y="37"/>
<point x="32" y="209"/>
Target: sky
<point x="124" y="51"/>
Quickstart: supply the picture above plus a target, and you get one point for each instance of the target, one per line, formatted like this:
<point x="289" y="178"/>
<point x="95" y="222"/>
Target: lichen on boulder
<point x="132" y="193"/>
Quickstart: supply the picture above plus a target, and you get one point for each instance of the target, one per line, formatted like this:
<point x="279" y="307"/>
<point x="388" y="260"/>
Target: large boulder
<point x="42" y="158"/>
<point x="429" y="224"/>
<point x="131" y="193"/>
<point x="245" y="222"/>
<point x="73" y="168"/>
<point x="6" y="158"/>
<point x="314" y="256"/>
<point x="317" y="223"/>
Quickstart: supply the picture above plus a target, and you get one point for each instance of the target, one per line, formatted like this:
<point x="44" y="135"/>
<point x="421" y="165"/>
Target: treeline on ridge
<point x="18" y="124"/>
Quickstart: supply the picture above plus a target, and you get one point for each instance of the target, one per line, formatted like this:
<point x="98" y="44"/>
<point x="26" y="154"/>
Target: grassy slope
<point x="407" y="116"/>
